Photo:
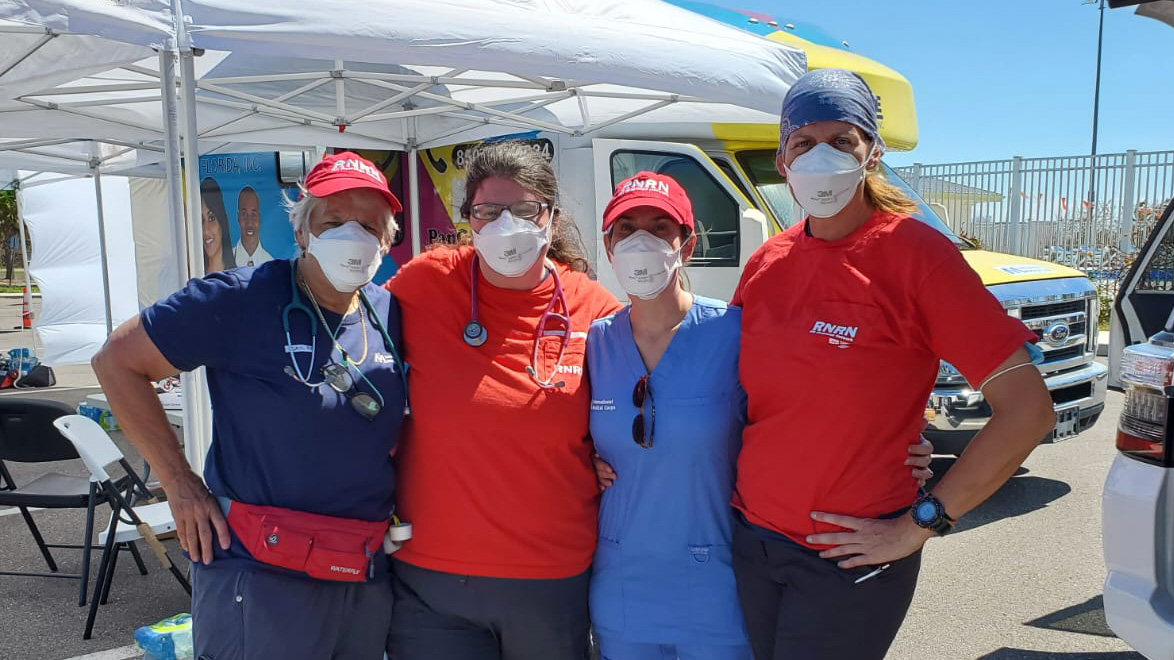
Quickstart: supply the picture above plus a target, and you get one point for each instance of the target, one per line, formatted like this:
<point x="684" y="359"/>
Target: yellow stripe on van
<point x="898" y="125"/>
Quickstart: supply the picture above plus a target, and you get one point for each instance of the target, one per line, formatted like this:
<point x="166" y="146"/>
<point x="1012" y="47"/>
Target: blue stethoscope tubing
<point x="296" y="305"/>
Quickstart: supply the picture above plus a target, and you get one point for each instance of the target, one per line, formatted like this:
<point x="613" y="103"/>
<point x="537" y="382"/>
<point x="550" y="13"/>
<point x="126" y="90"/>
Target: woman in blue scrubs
<point x="667" y="414"/>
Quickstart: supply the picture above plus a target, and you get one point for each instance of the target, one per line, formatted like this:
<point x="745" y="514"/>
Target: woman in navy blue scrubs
<point x="667" y="414"/>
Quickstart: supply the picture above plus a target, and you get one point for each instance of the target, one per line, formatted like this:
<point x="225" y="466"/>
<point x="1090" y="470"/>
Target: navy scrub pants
<point x="246" y="613"/>
<point x="443" y="616"/>
<point x="798" y="605"/>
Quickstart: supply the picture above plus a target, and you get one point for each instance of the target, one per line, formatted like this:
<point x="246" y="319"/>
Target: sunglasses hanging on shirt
<point x="336" y="375"/>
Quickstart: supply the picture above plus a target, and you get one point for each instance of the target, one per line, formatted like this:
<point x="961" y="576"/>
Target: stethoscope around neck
<point x="296" y="305"/>
<point x="476" y="335"/>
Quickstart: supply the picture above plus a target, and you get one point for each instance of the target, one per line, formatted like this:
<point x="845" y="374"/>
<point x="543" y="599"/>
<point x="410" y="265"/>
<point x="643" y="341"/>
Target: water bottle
<point x="170" y="639"/>
<point x="105" y="418"/>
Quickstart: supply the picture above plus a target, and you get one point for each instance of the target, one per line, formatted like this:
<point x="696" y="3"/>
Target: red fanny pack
<point x="322" y="547"/>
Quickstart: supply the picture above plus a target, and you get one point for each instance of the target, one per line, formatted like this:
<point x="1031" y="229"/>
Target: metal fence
<point x="1063" y="209"/>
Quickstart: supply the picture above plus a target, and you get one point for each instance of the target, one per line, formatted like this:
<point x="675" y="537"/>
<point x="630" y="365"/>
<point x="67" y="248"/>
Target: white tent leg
<point x="197" y="430"/>
<point x="24" y="257"/>
<point x="102" y="240"/>
<point x="414" y="200"/>
<point x="174" y="275"/>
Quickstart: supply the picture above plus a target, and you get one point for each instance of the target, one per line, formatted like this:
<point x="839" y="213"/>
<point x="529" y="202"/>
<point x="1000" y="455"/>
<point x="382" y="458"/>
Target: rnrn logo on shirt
<point x="840" y="336"/>
<point x="353" y="165"/>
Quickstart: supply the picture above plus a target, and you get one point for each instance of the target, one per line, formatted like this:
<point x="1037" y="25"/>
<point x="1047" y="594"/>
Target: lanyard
<point x="475" y="334"/>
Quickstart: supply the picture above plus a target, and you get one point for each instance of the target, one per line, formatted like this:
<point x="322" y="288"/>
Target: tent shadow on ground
<point x="1022" y="494"/>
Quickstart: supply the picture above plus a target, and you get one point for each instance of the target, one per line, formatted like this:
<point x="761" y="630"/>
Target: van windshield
<point x="759" y="165"/>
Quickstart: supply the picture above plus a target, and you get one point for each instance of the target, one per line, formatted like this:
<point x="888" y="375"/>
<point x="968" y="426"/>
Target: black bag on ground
<point x="38" y="376"/>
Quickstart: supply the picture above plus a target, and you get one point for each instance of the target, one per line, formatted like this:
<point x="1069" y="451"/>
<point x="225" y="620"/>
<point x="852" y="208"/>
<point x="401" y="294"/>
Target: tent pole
<point x="414" y="189"/>
<point x="197" y="430"/>
<point x="174" y="275"/>
<point x="24" y="256"/>
<point x="102" y="237"/>
<point x="414" y="200"/>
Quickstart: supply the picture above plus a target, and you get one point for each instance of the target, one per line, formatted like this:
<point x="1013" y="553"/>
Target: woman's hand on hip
<point x="869" y="542"/>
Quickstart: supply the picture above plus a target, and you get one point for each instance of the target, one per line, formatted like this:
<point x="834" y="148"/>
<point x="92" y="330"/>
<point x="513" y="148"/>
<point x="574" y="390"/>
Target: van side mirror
<point x="753" y="229"/>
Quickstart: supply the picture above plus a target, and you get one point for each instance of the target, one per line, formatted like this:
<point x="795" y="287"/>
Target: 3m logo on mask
<point x="352" y="165"/>
<point x="840" y="336"/>
<point x="641" y="272"/>
<point x="645" y="184"/>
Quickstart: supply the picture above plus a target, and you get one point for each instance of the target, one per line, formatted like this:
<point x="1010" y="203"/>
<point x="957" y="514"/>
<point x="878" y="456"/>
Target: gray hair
<point x="303" y="207"/>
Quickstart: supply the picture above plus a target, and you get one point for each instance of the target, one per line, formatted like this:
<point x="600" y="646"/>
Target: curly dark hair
<point x="519" y="162"/>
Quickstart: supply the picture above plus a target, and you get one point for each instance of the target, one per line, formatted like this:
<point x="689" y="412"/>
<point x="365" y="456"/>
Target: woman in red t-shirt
<point x="845" y="317"/>
<point x="495" y="468"/>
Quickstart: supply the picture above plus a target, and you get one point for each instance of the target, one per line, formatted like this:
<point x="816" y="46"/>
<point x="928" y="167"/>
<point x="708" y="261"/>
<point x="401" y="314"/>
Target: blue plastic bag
<point x="170" y="639"/>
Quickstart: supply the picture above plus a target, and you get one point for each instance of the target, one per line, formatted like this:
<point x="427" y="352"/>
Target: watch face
<point x="925" y="511"/>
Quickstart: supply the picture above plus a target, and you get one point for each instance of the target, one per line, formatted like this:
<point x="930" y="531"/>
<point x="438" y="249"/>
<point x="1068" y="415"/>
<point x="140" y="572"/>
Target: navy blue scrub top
<point x="662" y="571"/>
<point x="276" y="442"/>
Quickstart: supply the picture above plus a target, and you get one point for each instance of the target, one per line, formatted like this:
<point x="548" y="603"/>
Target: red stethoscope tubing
<point x="475" y="334"/>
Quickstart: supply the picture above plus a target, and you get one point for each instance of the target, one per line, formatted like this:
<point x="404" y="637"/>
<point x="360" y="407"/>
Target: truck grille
<point x="1053" y="309"/>
<point x="1062" y="329"/>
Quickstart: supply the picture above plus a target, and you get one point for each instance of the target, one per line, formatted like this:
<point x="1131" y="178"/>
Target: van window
<point x="716" y="213"/>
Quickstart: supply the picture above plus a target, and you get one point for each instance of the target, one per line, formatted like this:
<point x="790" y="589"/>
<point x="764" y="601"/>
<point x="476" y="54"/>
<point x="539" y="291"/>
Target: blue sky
<point x="1000" y="78"/>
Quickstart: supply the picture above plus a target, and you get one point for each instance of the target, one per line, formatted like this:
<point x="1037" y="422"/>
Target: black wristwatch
<point x="929" y="513"/>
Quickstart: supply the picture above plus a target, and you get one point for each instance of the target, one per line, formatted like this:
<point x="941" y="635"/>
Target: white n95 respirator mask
<point x="824" y="179"/>
<point x="511" y="245"/>
<point x="644" y="264"/>
<point x="349" y="255"/>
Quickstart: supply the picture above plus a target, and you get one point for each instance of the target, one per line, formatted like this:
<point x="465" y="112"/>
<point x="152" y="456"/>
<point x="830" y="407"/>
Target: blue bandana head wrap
<point x="829" y="95"/>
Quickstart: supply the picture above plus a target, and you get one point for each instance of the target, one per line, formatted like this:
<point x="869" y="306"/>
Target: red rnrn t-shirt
<point x="840" y="348"/>
<point x="494" y="472"/>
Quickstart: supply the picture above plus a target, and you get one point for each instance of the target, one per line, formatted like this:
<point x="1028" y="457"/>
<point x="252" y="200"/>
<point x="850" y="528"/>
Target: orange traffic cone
<point x="26" y="310"/>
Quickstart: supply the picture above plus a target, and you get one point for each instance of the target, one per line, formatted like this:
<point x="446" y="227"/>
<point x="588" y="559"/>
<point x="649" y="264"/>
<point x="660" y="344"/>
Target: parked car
<point x="1138" y="504"/>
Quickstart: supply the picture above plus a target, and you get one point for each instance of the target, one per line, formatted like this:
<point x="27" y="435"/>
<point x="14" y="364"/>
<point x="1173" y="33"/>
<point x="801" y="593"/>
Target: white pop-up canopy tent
<point x="406" y="74"/>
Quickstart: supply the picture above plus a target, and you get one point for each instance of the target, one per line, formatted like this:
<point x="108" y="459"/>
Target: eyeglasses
<point x="525" y="209"/>
<point x="339" y="378"/>
<point x="642" y="391"/>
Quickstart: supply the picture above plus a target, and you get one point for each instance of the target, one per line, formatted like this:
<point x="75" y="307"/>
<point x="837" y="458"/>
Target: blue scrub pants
<point x="245" y="613"/>
<point x="617" y="649"/>
<point x="444" y="616"/>
<point x="799" y="605"/>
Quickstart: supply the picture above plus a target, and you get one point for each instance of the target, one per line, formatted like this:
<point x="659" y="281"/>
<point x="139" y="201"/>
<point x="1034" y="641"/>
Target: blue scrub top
<point x="662" y="571"/>
<point x="276" y="442"/>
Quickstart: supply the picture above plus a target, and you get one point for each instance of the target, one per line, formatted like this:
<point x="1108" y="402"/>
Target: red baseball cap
<point x="348" y="171"/>
<point x="650" y="189"/>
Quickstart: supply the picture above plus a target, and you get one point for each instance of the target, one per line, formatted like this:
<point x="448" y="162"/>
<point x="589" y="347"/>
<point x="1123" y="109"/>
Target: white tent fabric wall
<point x="158" y="269"/>
<point x="62" y="222"/>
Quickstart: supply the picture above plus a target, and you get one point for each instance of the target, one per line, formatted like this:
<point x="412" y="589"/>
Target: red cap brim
<point x="333" y="186"/>
<point x="658" y="202"/>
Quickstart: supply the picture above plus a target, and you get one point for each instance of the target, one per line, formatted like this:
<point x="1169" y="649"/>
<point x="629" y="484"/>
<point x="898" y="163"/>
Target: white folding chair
<point x="145" y="522"/>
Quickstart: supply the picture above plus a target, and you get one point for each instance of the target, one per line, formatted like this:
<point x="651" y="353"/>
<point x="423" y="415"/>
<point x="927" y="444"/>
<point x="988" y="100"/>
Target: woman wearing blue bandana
<point x="845" y="317"/>
<point x="667" y="412"/>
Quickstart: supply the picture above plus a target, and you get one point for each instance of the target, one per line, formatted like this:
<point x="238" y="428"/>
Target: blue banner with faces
<point x="242" y="213"/>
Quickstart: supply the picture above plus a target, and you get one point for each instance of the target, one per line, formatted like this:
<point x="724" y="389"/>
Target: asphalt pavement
<point x="1019" y="579"/>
